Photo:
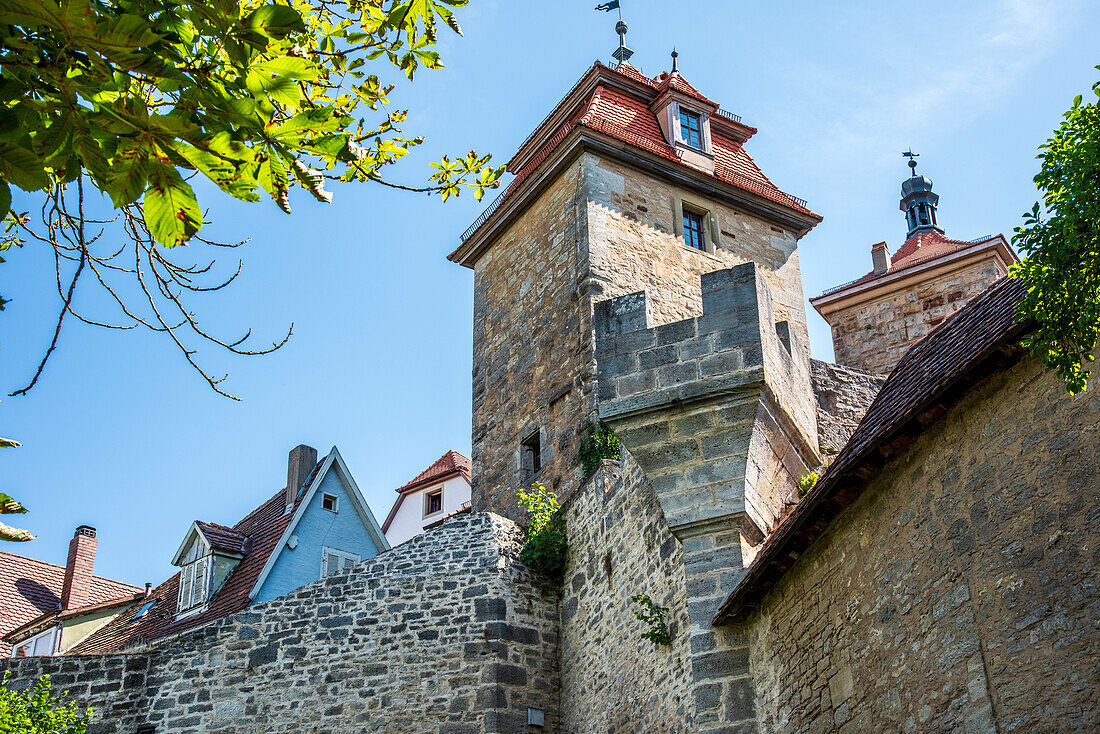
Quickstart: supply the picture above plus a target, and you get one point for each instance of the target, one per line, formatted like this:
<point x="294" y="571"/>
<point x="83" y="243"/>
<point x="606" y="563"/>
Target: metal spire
<point x="674" y="55"/>
<point x="622" y="53"/>
<point x="912" y="160"/>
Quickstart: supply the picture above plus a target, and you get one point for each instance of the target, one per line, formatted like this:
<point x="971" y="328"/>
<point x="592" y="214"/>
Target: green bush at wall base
<point x="36" y="711"/>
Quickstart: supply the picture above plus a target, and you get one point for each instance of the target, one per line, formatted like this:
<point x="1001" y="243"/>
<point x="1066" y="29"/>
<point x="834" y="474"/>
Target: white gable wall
<point x="410" y="521"/>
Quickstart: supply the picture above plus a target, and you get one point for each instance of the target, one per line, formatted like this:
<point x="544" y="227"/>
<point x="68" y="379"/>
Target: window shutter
<point x="185" y="587"/>
<point x="328" y="565"/>
<point x="349" y="561"/>
<point x="198" y="591"/>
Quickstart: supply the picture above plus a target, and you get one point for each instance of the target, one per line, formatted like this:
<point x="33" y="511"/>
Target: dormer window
<point x="207" y="556"/>
<point x="691" y="129"/>
<point x="194" y="583"/>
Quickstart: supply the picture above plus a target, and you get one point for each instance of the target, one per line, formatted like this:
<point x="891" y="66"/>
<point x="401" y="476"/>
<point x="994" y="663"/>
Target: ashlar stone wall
<point x="873" y="336"/>
<point x="960" y="591"/>
<point x="447" y="633"/>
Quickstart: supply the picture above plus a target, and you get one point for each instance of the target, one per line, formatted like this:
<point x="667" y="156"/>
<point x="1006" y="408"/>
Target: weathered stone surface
<point x="872" y="335"/>
<point x="843" y="396"/>
<point x="397" y="644"/>
<point x="959" y="591"/>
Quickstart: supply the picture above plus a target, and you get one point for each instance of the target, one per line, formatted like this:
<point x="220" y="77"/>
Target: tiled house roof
<point x="626" y="116"/>
<point x="30" y="589"/>
<point x="256" y="535"/>
<point x="450" y="464"/>
<point x="979" y="338"/>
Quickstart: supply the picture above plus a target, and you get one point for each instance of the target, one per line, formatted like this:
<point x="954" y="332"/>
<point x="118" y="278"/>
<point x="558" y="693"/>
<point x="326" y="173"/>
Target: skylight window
<point x="144" y="610"/>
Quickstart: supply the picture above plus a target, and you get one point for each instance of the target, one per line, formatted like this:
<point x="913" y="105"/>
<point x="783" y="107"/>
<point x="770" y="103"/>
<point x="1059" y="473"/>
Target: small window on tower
<point x="690" y="129"/>
<point x="433" y="502"/>
<point x="531" y="455"/>
<point x="693" y="230"/>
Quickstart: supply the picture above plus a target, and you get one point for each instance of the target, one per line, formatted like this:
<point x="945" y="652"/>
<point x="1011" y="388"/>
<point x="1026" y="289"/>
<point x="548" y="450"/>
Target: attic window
<point x="330" y="502"/>
<point x="433" y="502"/>
<point x="691" y="129"/>
<point x="531" y="455"/>
<point x="194" y="582"/>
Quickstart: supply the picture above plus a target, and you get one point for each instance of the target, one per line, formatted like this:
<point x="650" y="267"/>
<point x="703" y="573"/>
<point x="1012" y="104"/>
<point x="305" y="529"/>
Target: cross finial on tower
<point x="674" y="55"/>
<point x="912" y="160"/>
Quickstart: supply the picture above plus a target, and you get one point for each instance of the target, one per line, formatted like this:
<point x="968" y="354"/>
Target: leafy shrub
<point x="36" y="711"/>
<point x="654" y="617"/>
<point x="598" y="443"/>
<point x="544" y="548"/>
<point x="806" y="483"/>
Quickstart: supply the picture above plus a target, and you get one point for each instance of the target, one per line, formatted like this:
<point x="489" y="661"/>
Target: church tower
<point x="631" y="184"/>
<point x="877" y="317"/>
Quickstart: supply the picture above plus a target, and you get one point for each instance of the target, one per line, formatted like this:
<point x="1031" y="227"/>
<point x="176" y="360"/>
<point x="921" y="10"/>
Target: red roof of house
<point x="626" y="117"/>
<point x="261" y="530"/>
<point x="445" y="466"/>
<point x="921" y="248"/>
<point x="222" y="538"/>
<point x="979" y="338"/>
<point x="30" y="589"/>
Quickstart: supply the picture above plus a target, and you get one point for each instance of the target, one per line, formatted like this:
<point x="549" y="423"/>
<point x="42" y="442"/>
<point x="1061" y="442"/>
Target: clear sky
<point x="120" y="434"/>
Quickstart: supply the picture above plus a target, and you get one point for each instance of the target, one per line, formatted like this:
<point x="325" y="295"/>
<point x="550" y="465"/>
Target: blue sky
<point x="121" y="435"/>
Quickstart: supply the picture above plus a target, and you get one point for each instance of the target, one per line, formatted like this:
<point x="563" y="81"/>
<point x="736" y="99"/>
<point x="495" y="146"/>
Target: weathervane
<point x="912" y="160"/>
<point x="622" y="53"/>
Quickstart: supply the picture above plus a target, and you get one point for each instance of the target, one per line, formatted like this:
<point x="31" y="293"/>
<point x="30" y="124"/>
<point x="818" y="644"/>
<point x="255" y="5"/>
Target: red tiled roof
<point x="222" y="538"/>
<point x="627" y="118"/>
<point x="445" y="466"/>
<point x="261" y="529"/>
<point x="450" y="462"/>
<point x="932" y="374"/>
<point x="922" y="247"/>
<point x="30" y="589"/>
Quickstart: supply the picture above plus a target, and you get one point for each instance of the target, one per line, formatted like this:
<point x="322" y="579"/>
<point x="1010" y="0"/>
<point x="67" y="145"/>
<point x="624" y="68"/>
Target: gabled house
<point x="46" y="609"/>
<point x="316" y="526"/>
<point x="441" y="490"/>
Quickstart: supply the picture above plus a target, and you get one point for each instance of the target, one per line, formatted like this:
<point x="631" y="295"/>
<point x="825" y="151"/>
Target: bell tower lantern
<point x="918" y="201"/>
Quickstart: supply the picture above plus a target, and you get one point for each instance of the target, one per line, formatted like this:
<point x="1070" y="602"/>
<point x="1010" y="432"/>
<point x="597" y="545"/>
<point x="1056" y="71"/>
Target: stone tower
<point x="631" y="185"/>
<point x="874" y="319"/>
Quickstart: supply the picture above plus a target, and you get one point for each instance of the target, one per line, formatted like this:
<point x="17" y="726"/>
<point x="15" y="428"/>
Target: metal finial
<point x="622" y="53"/>
<point x="674" y="55"/>
<point x="912" y="160"/>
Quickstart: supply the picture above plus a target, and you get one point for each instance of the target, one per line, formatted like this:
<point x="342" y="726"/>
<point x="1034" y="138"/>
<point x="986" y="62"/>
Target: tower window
<point x="690" y="129"/>
<point x="433" y="502"/>
<point x="531" y="455"/>
<point x="693" y="230"/>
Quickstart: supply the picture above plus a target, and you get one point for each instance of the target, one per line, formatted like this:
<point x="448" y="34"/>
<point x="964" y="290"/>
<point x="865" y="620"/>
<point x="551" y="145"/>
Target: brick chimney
<point x="880" y="256"/>
<point x="301" y="462"/>
<point x="77" y="589"/>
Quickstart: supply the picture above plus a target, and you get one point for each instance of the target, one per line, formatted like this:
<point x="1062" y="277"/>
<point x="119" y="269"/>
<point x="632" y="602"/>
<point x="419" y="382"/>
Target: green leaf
<point x="5" y="199"/>
<point x="22" y="168"/>
<point x="31" y="13"/>
<point x="128" y="174"/>
<point x="274" y="21"/>
<point x="171" y="210"/>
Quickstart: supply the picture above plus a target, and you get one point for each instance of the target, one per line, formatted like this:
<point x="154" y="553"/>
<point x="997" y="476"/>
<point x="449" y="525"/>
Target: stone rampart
<point x="447" y="633"/>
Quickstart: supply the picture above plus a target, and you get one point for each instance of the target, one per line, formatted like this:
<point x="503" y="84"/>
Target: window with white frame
<point x="333" y="561"/>
<point x="330" y="502"/>
<point x="194" y="584"/>
<point x="44" y="644"/>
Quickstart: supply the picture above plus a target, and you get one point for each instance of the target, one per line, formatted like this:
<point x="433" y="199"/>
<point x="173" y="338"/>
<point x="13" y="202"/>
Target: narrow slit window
<point x="531" y="455"/>
<point x="433" y="502"/>
<point x="693" y="230"/>
<point x="690" y="129"/>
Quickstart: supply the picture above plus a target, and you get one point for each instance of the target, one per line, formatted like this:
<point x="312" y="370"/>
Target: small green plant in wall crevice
<point x="655" y="618"/>
<point x="807" y="482"/>
<point x="597" y="444"/>
<point x="544" y="548"/>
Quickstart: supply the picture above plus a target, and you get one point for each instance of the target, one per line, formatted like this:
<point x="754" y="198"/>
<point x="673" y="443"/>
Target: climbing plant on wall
<point x="597" y="444"/>
<point x="545" y="546"/>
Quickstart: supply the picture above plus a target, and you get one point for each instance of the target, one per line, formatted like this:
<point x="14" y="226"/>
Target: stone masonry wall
<point x="620" y="545"/>
<point x="445" y="634"/>
<point x="843" y="396"/>
<point x="959" y="592"/>
<point x="531" y="349"/>
<point x="633" y="247"/>
<point x="874" y="336"/>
